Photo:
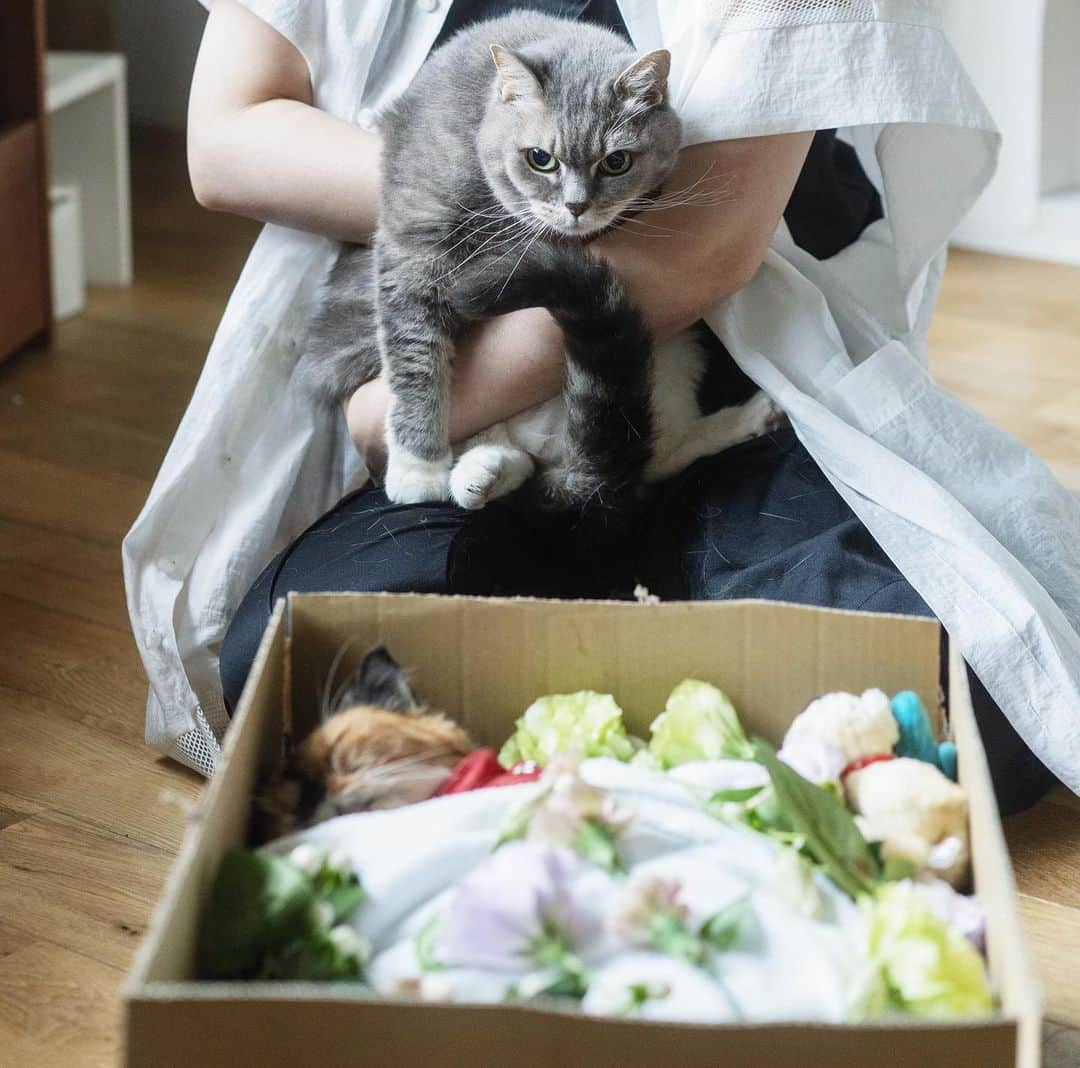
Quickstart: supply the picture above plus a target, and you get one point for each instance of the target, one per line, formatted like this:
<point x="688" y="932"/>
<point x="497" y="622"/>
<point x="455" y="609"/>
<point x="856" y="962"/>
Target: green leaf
<point x="588" y="723"/>
<point x="596" y="844"/>
<point x="515" y="824"/>
<point x="341" y="890"/>
<point x="896" y="869"/>
<point x="669" y="934"/>
<point x="425" y="946"/>
<point x="831" y="834"/>
<point x="699" y="722"/>
<point x="734" y="796"/>
<point x="313" y="958"/>
<point x="258" y="904"/>
<point x="722" y="929"/>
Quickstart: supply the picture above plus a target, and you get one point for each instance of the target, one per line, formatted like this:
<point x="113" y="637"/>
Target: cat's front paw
<point x="486" y="472"/>
<point x="411" y="479"/>
<point x="762" y="415"/>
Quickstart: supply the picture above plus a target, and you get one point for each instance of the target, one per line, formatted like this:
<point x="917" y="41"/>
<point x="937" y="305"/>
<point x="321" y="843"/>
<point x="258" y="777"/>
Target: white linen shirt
<point x="973" y="519"/>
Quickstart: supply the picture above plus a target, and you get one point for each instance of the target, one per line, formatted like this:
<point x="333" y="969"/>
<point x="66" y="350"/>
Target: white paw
<point x="413" y="480"/>
<point x="486" y="472"/>
<point x="760" y="415"/>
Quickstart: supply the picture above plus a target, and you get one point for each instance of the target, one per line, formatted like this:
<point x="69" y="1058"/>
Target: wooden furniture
<point x="25" y="296"/>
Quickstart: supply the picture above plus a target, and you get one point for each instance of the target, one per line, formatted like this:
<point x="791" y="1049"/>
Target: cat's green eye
<point x="540" y="160"/>
<point x="616" y="163"/>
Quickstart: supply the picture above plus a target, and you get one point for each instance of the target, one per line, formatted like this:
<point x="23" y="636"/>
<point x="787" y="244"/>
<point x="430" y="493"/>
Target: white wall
<point x="160" y="39"/>
<point x="1022" y="56"/>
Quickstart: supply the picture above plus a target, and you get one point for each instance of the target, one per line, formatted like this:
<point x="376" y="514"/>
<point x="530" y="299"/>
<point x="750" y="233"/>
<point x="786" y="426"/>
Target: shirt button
<point x="427" y="5"/>
<point x="366" y="119"/>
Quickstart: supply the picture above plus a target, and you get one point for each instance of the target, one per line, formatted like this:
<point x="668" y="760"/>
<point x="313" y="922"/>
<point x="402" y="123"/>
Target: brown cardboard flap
<point x="486" y="660"/>
<point x="221" y="822"/>
<point x="1010" y="965"/>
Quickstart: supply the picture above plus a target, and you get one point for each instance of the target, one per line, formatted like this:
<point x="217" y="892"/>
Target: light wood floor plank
<point x="65" y="882"/>
<point x="57" y="1008"/>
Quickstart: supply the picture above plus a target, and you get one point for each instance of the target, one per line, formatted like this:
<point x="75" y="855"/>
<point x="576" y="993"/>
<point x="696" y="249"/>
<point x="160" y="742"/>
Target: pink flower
<point x="566" y="802"/>
<point x="567" y="811"/>
<point x="651" y="912"/>
<point x="524" y="907"/>
<point x="644" y="898"/>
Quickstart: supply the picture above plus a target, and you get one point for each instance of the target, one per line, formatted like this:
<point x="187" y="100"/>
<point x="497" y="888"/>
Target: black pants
<point x="759" y="520"/>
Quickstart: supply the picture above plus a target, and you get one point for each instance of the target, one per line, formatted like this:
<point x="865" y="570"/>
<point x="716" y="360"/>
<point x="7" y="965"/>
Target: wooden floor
<point x="89" y="818"/>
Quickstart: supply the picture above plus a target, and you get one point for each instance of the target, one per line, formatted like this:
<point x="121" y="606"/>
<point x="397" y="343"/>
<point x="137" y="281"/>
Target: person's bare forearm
<point x="257" y="146"/>
<point x="286" y="162"/>
<point x="503" y="366"/>
<point x="724" y="200"/>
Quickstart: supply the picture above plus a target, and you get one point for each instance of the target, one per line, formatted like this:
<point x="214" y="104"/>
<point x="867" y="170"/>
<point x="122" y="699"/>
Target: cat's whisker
<point x="330" y="697"/>
<point x="487" y="246"/>
<point x="628" y="228"/>
<point x="540" y="231"/>
<point x="486" y="230"/>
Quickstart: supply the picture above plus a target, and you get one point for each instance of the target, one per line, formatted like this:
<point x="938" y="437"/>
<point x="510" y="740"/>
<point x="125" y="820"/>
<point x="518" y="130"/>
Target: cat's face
<point x="570" y="145"/>
<point x="375" y="749"/>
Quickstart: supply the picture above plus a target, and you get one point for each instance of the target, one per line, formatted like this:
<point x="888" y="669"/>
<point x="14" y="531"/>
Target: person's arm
<point x="257" y="146"/>
<point x="723" y="202"/>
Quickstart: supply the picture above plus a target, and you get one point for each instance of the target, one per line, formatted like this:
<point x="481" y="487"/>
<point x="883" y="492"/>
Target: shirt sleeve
<point x="301" y="22"/>
<point x="760" y="67"/>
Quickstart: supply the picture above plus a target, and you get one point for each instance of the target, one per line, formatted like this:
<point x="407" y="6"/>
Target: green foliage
<point x="699" y="722"/>
<point x="266" y="919"/>
<point x="825" y="825"/>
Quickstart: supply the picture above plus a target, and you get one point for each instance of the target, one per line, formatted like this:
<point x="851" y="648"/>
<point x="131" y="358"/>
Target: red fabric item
<point x="865" y="762"/>
<point x="481" y="768"/>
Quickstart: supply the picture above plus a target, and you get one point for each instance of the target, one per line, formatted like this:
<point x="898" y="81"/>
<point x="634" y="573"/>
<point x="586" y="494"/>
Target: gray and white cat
<point x="500" y="161"/>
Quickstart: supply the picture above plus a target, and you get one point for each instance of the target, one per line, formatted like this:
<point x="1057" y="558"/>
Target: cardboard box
<point x="484" y="661"/>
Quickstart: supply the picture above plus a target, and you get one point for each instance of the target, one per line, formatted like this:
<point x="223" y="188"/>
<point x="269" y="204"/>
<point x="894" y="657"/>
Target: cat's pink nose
<point x="576" y="207"/>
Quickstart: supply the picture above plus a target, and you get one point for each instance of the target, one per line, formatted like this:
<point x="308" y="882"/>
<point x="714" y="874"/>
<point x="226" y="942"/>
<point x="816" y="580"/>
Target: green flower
<point x="919" y="965"/>
<point x="698" y="723"/>
<point x="587" y="723"/>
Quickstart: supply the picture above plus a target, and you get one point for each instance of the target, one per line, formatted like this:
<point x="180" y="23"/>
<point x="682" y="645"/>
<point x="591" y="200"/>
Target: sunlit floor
<point x="89" y="819"/>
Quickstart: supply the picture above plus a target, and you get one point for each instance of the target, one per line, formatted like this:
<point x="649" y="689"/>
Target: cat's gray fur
<point x="468" y="229"/>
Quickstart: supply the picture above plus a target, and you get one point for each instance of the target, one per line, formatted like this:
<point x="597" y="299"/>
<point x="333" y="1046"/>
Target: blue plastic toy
<point x="917" y="736"/>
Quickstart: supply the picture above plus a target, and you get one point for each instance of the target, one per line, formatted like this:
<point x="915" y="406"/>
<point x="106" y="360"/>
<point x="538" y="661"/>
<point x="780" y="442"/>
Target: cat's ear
<point x="645" y="81"/>
<point x="516" y="81"/>
<point x="378" y="681"/>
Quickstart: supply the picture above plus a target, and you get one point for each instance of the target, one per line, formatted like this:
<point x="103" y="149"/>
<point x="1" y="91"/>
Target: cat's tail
<point x="341" y="351"/>
<point x="609" y="363"/>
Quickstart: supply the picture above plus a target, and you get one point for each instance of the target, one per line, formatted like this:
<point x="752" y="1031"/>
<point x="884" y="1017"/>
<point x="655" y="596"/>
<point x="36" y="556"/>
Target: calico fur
<point x="375" y="748"/>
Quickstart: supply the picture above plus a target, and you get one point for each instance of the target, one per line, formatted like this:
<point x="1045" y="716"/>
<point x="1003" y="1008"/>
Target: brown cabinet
<point x="25" y="298"/>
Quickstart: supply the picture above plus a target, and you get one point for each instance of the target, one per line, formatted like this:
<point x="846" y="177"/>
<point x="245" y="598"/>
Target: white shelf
<point x="86" y="98"/>
<point x="71" y="76"/>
